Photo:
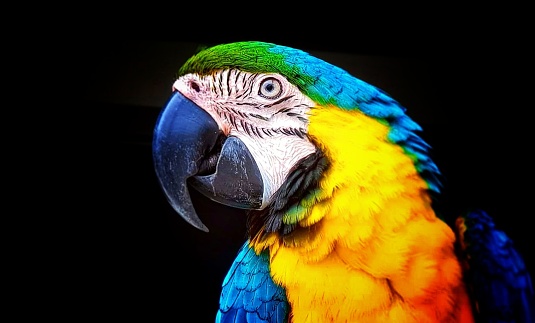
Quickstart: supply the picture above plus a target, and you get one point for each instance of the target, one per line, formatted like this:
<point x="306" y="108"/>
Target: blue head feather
<point x="329" y="84"/>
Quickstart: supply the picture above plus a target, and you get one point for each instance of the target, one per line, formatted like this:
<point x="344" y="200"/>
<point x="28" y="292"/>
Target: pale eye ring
<point x="270" y="88"/>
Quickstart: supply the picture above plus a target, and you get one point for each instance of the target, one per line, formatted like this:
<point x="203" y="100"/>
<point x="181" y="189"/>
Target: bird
<point x="338" y="186"/>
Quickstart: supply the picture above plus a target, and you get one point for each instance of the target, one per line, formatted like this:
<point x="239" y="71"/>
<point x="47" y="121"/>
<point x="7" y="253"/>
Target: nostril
<point x="195" y="86"/>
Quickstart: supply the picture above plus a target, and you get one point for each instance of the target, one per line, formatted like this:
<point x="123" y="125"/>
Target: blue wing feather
<point x="496" y="275"/>
<point x="249" y="294"/>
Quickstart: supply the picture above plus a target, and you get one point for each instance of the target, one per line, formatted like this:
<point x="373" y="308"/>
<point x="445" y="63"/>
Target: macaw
<point x="339" y="190"/>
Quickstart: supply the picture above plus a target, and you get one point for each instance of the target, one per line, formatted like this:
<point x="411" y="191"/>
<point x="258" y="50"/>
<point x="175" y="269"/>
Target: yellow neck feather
<point x="370" y="180"/>
<point x="370" y="247"/>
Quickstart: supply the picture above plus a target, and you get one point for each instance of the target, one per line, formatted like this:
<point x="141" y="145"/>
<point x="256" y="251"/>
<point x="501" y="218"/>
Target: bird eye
<point x="270" y="88"/>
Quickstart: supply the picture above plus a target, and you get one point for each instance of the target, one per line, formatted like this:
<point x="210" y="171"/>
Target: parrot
<point x="338" y="187"/>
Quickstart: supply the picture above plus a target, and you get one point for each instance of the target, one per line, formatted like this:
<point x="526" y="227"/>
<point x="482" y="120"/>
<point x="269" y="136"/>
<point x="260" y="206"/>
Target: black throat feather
<point x="302" y="179"/>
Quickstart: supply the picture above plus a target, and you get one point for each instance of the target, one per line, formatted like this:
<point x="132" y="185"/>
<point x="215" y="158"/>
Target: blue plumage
<point x="333" y="85"/>
<point x="249" y="294"/>
<point x="496" y="276"/>
<point x="495" y="273"/>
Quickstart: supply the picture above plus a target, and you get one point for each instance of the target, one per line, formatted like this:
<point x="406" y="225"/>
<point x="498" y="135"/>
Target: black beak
<point x="182" y="134"/>
<point x="188" y="149"/>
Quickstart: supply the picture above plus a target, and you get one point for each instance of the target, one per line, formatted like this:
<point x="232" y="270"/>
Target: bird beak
<point x="189" y="150"/>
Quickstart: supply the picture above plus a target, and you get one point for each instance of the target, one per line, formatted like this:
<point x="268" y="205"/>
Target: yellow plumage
<point x="366" y="253"/>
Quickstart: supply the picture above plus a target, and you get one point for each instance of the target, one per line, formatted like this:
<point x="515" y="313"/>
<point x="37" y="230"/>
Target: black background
<point x="125" y="254"/>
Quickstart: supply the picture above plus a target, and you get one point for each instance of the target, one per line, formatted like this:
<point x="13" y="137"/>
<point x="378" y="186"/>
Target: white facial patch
<point x="265" y="111"/>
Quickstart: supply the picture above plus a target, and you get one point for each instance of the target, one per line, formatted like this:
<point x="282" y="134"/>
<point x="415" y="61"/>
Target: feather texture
<point x="500" y="285"/>
<point x="249" y="294"/>
<point x="350" y="233"/>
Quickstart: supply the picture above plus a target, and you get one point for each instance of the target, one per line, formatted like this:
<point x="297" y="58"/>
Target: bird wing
<point x="249" y="294"/>
<point x="495" y="273"/>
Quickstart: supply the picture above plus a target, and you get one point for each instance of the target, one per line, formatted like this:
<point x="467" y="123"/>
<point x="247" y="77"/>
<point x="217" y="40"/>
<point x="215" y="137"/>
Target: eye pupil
<point x="270" y="88"/>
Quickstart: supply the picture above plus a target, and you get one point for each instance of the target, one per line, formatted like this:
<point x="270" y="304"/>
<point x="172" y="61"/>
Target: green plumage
<point x="253" y="57"/>
<point x="324" y="83"/>
<point x="261" y="287"/>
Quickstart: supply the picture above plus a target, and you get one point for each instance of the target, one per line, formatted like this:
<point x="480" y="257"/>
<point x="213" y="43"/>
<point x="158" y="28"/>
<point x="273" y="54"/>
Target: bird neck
<point x="370" y="182"/>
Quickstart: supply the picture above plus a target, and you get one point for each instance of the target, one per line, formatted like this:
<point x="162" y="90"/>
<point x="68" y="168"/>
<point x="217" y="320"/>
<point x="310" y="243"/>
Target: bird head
<point x="275" y="130"/>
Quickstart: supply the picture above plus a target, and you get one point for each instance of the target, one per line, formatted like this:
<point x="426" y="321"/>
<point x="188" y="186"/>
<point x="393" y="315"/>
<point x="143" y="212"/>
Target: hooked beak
<point x="189" y="150"/>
